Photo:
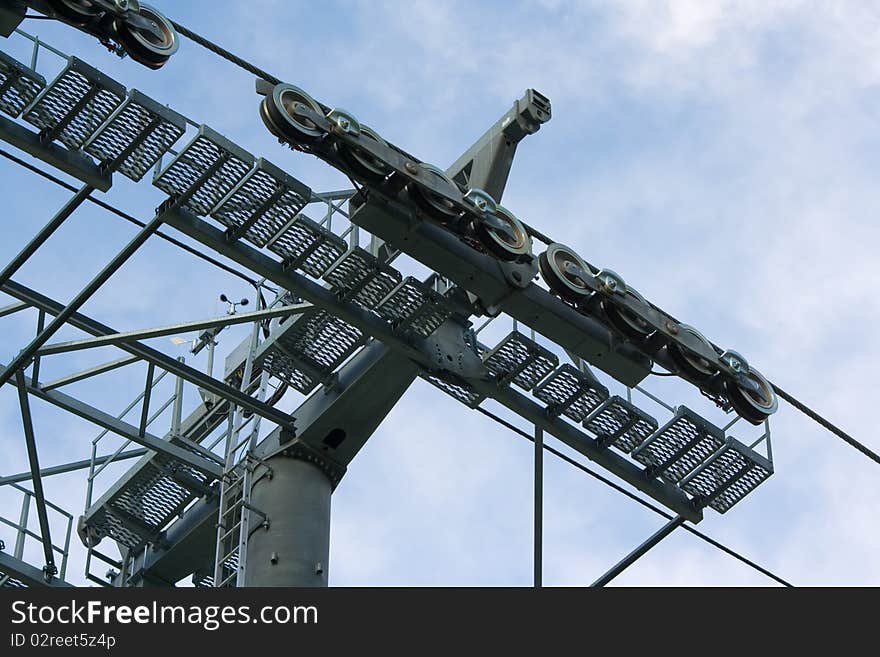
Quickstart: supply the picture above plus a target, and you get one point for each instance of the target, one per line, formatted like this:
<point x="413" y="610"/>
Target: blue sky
<point x="717" y="155"/>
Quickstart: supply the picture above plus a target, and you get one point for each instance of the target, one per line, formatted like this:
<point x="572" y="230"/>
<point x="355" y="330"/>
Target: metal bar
<point x="184" y="327"/>
<point x="66" y="552"/>
<point x="90" y="372"/>
<point x="73" y="163"/>
<point x="539" y="506"/>
<point x="22" y="523"/>
<point x="177" y="411"/>
<point x="26" y="573"/>
<point x="640" y="551"/>
<point x="145" y="406"/>
<point x="73" y="466"/>
<point x="161" y="360"/>
<point x="45" y="233"/>
<point x="34" y="461"/>
<point x="84" y="295"/>
<point x="35" y="370"/>
<point x="13" y="308"/>
<point x="107" y="421"/>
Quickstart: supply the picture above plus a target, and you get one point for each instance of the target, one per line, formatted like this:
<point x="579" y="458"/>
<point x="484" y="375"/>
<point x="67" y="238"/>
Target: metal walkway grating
<point x="142" y="130"/>
<point x="259" y="206"/>
<point x="19" y="85"/>
<point x="414" y="307"/>
<point x="305" y="245"/>
<point x="306" y="349"/>
<point x="75" y="104"/>
<point x="204" y="171"/>
<point x="728" y="476"/>
<point x="620" y="424"/>
<point x="360" y="277"/>
<point x="152" y="497"/>
<point x="520" y="360"/>
<point x="681" y="445"/>
<point x="456" y="389"/>
<point x="571" y="392"/>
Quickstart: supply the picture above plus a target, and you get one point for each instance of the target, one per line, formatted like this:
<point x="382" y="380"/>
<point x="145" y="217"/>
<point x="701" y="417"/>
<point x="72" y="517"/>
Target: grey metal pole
<point x="39" y="496"/>
<point x="85" y="294"/>
<point x="636" y="554"/>
<point x="539" y="507"/>
<point x="293" y="547"/>
<point x="40" y="238"/>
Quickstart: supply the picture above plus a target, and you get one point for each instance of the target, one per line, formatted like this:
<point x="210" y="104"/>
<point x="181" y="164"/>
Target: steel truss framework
<point x="345" y="317"/>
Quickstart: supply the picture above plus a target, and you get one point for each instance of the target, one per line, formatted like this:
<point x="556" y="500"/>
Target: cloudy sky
<point x="716" y="154"/>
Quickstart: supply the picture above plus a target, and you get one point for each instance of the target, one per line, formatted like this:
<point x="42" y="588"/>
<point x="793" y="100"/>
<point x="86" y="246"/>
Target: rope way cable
<point x="711" y="541"/>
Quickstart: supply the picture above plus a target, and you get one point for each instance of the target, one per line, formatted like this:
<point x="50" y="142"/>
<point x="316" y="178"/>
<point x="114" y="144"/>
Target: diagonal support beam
<point x="640" y="551"/>
<point x="73" y="466"/>
<point x="34" y="462"/>
<point x="155" y="356"/>
<point x="120" y="428"/>
<point x="90" y="372"/>
<point x="184" y="327"/>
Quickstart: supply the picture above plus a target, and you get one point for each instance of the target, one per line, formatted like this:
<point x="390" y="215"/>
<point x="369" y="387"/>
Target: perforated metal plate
<point x="570" y="392"/>
<point x="305" y="245"/>
<point x="618" y="423"/>
<point x="262" y="203"/>
<point x="309" y="349"/>
<point x="151" y="499"/>
<point x="728" y="476"/>
<point x="142" y="121"/>
<point x="520" y="360"/>
<point x="456" y="389"/>
<point x="75" y="104"/>
<point x="361" y="278"/>
<point x="682" y="444"/>
<point x="205" y="171"/>
<point x="414" y="307"/>
<point x="19" y="85"/>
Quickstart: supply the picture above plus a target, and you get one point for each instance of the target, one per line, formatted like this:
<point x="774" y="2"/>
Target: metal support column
<point x="640" y="551"/>
<point x="293" y="547"/>
<point x="39" y="497"/>
<point x="539" y="506"/>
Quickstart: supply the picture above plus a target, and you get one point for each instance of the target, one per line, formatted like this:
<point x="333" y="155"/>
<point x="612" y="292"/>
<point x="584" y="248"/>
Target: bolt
<point x="412" y="168"/>
<point x="273" y="559"/>
<point x="672" y="327"/>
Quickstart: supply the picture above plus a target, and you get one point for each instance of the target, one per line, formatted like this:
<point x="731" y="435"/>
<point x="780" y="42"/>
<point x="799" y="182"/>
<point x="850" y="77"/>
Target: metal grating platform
<point x="153" y="496"/>
<point x="259" y="206"/>
<point x="520" y="360"/>
<point x="305" y="245"/>
<point x="728" y="476"/>
<point x="414" y="307"/>
<point x="361" y="278"/>
<point x="571" y="392"/>
<point x="620" y="424"/>
<point x="140" y="131"/>
<point x="681" y="445"/>
<point x="19" y="85"/>
<point x="75" y="104"/>
<point x="205" y="171"/>
<point x="306" y="349"/>
<point x="456" y="389"/>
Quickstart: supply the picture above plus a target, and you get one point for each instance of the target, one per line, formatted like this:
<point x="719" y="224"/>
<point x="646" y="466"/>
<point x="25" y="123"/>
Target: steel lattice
<point x="360" y="277"/>
<point x="620" y="424"/>
<point x="263" y="202"/>
<point x="141" y="119"/>
<point x="412" y="306"/>
<point x="205" y="171"/>
<point x="570" y="392"/>
<point x="728" y="476"/>
<point x="682" y="444"/>
<point x="19" y="85"/>
<point x="520" y="360"/>
<point x="75" y="104"/>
